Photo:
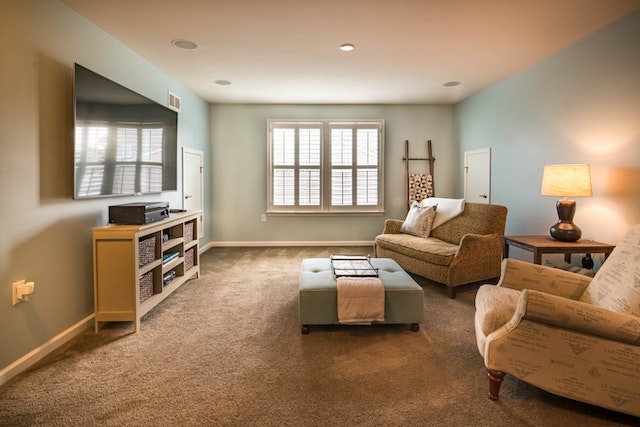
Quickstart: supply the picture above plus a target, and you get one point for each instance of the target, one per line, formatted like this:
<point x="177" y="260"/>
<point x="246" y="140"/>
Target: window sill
<point x="302" y="213"/>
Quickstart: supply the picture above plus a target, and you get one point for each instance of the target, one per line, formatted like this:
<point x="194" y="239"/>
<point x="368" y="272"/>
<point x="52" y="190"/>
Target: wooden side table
<point x="547" y="245"/>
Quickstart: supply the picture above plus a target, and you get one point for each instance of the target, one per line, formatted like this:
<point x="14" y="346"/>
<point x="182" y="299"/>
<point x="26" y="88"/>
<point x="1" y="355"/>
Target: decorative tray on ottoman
<point x="353" y="266"/>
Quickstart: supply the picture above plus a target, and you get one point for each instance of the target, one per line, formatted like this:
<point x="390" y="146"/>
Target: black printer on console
<point x="138" y="213"/>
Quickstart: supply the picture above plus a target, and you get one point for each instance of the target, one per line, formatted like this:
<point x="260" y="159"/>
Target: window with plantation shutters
<point x="325" y="166"/>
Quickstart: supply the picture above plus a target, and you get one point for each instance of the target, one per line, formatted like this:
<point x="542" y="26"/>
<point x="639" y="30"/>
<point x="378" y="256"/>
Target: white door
<point x="192" y="183"/>
<point x="477" y="176"/>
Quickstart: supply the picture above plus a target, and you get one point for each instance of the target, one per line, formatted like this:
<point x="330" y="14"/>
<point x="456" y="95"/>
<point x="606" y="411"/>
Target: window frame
<point x="325" y="206"/>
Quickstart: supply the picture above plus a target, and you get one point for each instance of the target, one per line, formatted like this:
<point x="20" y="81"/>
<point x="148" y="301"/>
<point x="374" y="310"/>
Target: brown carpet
<point x="226" y="350"/>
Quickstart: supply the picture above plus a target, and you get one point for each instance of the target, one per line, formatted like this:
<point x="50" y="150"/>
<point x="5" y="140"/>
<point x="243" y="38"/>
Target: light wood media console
<point x="131" y="263"/>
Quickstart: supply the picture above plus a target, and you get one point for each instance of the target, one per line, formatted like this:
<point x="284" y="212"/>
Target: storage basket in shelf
<point x="146" y="250"/>
<point x="189" y="259"/>
<point x="146" y="286"/>
<point x="188" y="232"/>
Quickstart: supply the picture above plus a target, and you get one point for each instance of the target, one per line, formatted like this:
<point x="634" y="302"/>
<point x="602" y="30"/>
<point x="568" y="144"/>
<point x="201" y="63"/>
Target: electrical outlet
<point x="16" y="289"/>
<point x="22" y="291"/>
<point x="263" y="217"/>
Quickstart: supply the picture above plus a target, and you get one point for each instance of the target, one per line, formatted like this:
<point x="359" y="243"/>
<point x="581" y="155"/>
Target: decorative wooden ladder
<point x="407" y="159"/>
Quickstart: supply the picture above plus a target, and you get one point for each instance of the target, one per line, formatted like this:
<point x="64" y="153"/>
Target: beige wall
<point x="45" y="235"/>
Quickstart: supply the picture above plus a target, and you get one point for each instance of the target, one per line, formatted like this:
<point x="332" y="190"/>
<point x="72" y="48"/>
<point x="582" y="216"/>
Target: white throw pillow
<point x="419" y="220"/>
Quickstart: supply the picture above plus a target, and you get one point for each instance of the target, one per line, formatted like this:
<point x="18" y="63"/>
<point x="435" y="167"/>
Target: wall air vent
<point x="173" y="101"/>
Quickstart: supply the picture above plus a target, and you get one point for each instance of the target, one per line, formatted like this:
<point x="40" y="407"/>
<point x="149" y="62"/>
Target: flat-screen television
<point x="125" y="144"/>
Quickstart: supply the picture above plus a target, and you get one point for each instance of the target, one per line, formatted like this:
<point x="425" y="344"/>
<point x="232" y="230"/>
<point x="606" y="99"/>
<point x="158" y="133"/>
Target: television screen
<point x="125" y="143"/>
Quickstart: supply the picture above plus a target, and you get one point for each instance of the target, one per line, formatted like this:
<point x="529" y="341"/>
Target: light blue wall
<point x="581" y="105"/>
<point x="45" y="235"/>
<point x="239" y="150"/>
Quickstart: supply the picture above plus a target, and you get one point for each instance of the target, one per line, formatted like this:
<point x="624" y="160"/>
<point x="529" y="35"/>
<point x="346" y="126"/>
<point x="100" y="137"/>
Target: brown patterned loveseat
<point x="465" y="249"/>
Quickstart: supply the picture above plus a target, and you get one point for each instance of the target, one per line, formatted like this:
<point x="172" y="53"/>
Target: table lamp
<point x="566" y="181"/>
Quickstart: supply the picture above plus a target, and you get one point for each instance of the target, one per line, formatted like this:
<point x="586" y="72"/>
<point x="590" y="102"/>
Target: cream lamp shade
<point x="566" y="181"/>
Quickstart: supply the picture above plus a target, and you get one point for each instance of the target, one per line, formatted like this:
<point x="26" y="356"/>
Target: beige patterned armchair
<point x="565" y="333"/>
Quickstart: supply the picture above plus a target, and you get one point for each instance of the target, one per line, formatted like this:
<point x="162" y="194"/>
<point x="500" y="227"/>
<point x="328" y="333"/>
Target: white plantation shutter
<point x="283" y="155"/>
<point x="309" y="193"/>
<point x="367" y="189"/>
<point x="341" y="161"/>
<point x="367" y="147"/>
<point x="309" y="147"/>
<point x="341" y="147"/>
<point x="367" y="166"/>
<point x="309" y="159"/>
<point x="296" y="161"/>
<point x="283" y="187"/>
<point x="284" y="147"/>
<point x="341" y="187"/>
<point x="325" y="166"/>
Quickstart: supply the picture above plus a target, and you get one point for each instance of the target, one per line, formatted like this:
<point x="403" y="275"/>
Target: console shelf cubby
<point x="135" y="267"/>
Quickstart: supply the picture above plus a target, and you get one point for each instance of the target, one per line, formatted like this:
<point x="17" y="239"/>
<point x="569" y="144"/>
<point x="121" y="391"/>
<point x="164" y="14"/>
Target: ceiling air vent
<point x="174" y="101"/>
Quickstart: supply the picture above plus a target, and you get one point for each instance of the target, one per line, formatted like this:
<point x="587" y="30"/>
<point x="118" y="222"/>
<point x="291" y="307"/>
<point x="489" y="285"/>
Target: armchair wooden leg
<point x="495" y="381"/>
<point x="451" y="292"/>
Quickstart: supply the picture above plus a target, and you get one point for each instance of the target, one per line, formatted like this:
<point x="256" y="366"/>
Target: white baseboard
<point x="289" y="243"/>
<point x="29" y="359"/>
<point x="204" y="248"/>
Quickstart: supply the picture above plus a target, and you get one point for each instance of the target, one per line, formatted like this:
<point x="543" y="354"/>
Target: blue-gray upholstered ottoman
<point x="318" y="294"/>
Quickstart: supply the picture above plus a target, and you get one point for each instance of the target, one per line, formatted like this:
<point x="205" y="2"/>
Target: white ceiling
<point x="286" y="51"/>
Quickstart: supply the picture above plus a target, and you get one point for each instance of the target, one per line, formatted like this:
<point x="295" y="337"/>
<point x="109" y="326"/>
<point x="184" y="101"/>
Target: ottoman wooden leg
<point x="305" y="329"/>
<point x="415" y="327"/>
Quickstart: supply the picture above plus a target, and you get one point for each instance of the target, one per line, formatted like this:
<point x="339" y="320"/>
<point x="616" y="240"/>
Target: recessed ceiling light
<point x="222" y="82"/>
<point x="451" y="84"/>
<point x="184" y="44"/>
<point x="347" y="47"/>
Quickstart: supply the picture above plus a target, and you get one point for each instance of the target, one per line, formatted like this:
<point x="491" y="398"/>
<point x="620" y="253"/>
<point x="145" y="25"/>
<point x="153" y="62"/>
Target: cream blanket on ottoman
<point x="360" y="300"/>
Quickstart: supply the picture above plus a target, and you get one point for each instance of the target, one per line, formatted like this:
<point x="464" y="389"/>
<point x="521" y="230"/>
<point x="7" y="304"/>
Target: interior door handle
<point x="188" y="196"/>
<point x="484" y="196"/>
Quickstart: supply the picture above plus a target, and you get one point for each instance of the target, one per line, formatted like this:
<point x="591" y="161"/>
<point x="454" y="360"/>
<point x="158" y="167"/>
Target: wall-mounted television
<point x="125" y="144"/>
